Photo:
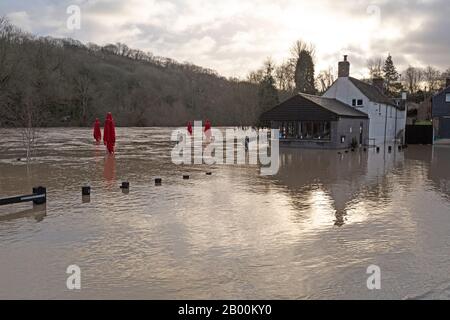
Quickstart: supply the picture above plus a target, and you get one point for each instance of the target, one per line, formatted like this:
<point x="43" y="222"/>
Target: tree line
<point x="418" y="82"/>
<point x="62" y="82"/>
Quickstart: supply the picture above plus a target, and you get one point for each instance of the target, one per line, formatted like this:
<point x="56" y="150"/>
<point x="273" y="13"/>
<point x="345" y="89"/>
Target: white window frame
<point x="355" y="103"/>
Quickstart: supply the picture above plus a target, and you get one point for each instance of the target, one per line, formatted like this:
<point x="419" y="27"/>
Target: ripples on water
<point x="308" y="232"/>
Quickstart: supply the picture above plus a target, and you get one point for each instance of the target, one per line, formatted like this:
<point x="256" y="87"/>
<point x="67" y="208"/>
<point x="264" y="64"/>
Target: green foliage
<point x="267" y="93"/>
<point x="391" y="77"/>
<point x="304" y="73"/>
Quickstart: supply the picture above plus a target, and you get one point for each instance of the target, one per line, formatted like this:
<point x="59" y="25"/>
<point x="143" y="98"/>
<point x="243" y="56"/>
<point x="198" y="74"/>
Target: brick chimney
<point x="379" y="83"/>
<point x="344" y="68"/>
<point x="447" y="82"/>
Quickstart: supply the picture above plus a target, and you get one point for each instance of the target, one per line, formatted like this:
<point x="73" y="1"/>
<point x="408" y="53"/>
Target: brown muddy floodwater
<point x="309" y="232"/>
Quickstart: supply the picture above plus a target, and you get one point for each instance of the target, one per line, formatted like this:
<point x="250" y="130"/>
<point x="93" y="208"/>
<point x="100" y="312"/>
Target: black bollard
<point x="86" y="191"/>
<point x="158" y="181"/>
<point x="40" y="191"/>
<point x="346" y="151"/>
<point x="399" y="148"/>
<point x="390" y="149"/>
<point x="125" y="185"/>
<point x="353" y="150"/>
<point x="365" y="149"/>
<point x="185" y="177"/>
<point x="378" y="149"/>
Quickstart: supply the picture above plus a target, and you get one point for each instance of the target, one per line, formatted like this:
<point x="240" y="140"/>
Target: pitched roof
<point x="370" y="91"/>
<point x="335" y="106"/>
<point x="309" y="108"/>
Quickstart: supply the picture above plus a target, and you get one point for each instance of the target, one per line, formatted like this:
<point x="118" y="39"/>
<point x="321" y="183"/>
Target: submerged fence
<point x="39" y="196"/>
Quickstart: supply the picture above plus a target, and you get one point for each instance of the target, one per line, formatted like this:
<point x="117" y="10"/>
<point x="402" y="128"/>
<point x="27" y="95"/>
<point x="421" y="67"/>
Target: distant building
<point x="441" y="116"/>
<point x="387" y="118"/>
<point x="419" y="112"/>
<point x="350" y="112"/>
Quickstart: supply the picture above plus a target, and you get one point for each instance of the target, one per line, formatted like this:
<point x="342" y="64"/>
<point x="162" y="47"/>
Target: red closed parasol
<point x="208" y="130"/>
<point x="207" y="125"/>
<point x="109" y="134"/>
<point x="97" y="131"/>
<point x="189" y="128"/>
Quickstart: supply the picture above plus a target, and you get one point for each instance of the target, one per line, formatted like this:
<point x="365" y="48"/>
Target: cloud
<point x="235" y="36"/>
<point x="20" y="18"/>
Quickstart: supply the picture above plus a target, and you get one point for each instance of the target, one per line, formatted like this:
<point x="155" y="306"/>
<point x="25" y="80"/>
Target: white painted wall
<point x="345" y="91"/>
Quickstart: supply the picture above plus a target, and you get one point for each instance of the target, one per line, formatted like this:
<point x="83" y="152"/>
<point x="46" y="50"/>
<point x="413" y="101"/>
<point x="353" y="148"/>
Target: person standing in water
<point x="109" y="133"/>
<point x="97" y="131"/>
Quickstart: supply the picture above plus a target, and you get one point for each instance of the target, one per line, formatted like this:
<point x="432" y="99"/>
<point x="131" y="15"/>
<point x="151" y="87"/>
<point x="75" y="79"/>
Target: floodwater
<point x="310" y="232"/>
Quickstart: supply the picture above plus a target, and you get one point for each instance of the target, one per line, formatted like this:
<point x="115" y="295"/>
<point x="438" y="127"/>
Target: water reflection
<point x="38" y="212"/>
<point x="109" y="172"/>
<point x="331" y="184"/>
<point x="311" y="231"/>
<point x="440" y="169"/>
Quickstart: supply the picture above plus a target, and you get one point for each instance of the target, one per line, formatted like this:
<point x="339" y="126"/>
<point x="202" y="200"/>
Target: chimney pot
<point x="344" y="68"/>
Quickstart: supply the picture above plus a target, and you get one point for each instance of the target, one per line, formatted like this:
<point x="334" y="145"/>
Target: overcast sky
<point x="235" y="36"/>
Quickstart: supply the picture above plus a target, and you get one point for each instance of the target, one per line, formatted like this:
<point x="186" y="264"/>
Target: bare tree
<point x="30" y="119"/>
<point x="83" y="85"/>
<point x="284" y="76"/>
<point x="325" y="79"/>
<point x="256" y="76"/>
<point x="432" y="77"/>
<point x="412" y="77"/>
<point x="8" y="58"/>
<point x="375" y="66"/>
<point x="445" y="74"/>
<point x="27" y="116"/>
<point x="298" y="47"/>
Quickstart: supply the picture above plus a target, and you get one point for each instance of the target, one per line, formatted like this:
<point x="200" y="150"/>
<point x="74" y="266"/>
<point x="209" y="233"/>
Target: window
<point x="357" y="102"/>
<point x="447" y="97"/>
<point x="342" y="139"/>
<point x="289" y="130"/>
<point x="315" y="130"/>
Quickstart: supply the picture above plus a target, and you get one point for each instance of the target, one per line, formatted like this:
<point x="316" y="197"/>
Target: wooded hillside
<point x="63" y="82"/>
